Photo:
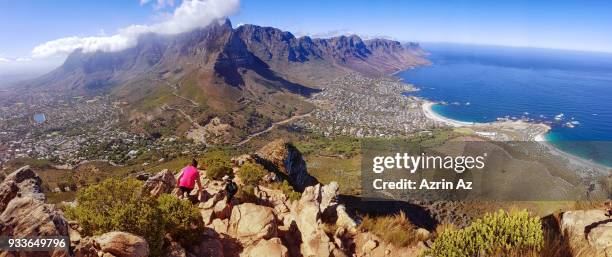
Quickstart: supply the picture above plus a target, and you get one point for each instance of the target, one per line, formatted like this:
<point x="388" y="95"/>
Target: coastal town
<point x="359" y="106"/>
<point x="69" y="130"/>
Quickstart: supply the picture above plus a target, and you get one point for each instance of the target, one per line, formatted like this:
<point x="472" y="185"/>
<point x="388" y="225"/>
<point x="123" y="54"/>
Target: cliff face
<point x="219" y="50"/>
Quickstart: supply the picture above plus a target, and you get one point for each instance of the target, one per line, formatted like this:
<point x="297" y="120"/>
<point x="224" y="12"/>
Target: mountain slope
<point x="248" y="77"/>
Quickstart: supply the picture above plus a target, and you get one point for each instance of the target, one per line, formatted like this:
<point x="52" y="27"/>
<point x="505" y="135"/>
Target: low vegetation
<point x="119" y="205"/>
<point x="218" y="164"/>
<point x="496" y="234"/>
<point x="246" y="194"/>
<point x="287" y="189"/>
<point x="251" y="173"/>
<point x="394" y="229"/>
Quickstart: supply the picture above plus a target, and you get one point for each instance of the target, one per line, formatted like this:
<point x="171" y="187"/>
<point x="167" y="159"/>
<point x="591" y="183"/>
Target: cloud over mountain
<point x="189" y="15"/>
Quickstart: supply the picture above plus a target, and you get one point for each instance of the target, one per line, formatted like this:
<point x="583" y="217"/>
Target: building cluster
<point x="359" y="106"/>
<point x="75" y="129"/>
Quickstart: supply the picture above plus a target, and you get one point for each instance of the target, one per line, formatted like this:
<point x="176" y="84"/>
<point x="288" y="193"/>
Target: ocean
<point x="569" y="90"/>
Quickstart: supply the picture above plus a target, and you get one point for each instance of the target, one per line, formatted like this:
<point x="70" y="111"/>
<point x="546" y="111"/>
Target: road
<point x="285" y="121"/>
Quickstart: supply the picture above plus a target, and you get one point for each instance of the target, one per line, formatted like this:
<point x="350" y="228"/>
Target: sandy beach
<point x="431" y="114"/>
<point x="573" y="159"/>
<point x="540" y="138"/>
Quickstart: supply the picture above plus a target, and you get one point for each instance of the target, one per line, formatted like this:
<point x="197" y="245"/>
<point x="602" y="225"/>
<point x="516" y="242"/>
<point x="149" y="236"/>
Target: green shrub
<point x="217" y="171"/>
<point x="246" y="194"/>
<point x="181" y="219"/>
<point x="119" y="205"/>
<point x="496" y="233"/>
<point x="218" y="158"/>
<point x="287" y="190"/>
<point x="251" y="173"/>
<point x="218" y="164"/>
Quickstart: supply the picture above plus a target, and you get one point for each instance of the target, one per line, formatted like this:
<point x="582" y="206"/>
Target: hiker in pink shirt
<point x="188" y="178"/>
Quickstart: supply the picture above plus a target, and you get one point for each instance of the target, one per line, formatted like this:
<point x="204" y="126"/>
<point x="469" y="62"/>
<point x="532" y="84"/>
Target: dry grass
<point x="587" y="205"/>
<point x="444" y="227"/>
<point x="394" y="229"/>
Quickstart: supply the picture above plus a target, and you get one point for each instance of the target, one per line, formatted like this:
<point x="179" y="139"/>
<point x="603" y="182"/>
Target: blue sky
<point x="577" y="25"/>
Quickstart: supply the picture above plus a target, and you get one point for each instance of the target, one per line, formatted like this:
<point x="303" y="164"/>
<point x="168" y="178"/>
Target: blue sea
<point x="569" y="90"/>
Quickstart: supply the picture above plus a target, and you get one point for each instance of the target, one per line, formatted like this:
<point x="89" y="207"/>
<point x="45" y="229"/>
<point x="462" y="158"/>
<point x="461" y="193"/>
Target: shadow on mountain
<point x="236" y="57"/>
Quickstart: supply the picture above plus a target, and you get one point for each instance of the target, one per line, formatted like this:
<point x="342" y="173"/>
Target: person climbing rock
<point x="230" y="188"/>
<point x="189" y="177"/>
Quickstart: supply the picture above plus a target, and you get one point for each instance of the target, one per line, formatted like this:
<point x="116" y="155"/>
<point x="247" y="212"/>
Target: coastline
<point x="540" y="138"/>
<point x="431" y="114"/>
<point x="573" y="159"/>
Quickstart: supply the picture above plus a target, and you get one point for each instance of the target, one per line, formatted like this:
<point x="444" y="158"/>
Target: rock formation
<point x="274" y="226"/>
<point x="284" y="159"/>
<point x="160" y="183"/>
<point x="24" y="212"/>
<point x="123" y="244"/>
<point x="588" y="228"/>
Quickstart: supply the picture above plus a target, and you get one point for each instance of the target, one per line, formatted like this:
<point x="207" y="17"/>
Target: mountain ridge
<point x="276" y="48"/>
<point x="248" y="77"/>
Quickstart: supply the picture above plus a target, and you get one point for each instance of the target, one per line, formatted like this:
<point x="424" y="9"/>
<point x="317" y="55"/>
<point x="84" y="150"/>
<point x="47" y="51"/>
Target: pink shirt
<point x="189" y="176"/>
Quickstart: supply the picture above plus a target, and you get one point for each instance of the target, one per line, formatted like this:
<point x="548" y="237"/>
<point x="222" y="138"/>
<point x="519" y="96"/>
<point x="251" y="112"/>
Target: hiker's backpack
<point x="231" y="188"/>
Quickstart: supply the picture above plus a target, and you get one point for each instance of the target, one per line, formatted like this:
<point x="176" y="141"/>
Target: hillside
<point x="246" y="77"/>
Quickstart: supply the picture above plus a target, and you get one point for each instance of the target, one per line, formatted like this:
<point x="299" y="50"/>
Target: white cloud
<point x="2" y="59"/>
<point x="191" y="14"/>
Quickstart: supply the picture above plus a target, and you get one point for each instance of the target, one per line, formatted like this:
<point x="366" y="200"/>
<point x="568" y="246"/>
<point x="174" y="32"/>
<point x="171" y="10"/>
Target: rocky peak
<point x="283" y="158"/>
<point x="24" y="213"/>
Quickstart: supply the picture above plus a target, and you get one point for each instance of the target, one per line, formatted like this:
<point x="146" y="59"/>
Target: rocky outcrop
<point x="24" y="212"/>
<point x="160" y="183"/>
<point x="318" y="204"/>
<point x="286" y="160"/>
<point x="267" y="248"/>
<point x="122" y="244"/>
<point x="28" y="182"/>
<point x="250" y="222"/>
<point x="590" y="228"/>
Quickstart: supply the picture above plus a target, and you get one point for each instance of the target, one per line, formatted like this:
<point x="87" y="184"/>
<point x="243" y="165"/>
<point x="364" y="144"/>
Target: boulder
<point x="28" y="182"/>
<point x="266" y="248"/>
<point x="283" y="158"/>
<point x="87" y="248"/>
<point x="250" y="222"/>
<point x="24" y="213"/>
<point x="28" y="217"/>
<point x="220" y="226"/>
<point x="306" y="214"/>
<point x="122" y="244"/>
<point x="160" y="183"/>
<point x="591" y="227"/>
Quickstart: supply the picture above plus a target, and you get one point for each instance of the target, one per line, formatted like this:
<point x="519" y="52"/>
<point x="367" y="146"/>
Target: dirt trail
<point x="290" y="119"/>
